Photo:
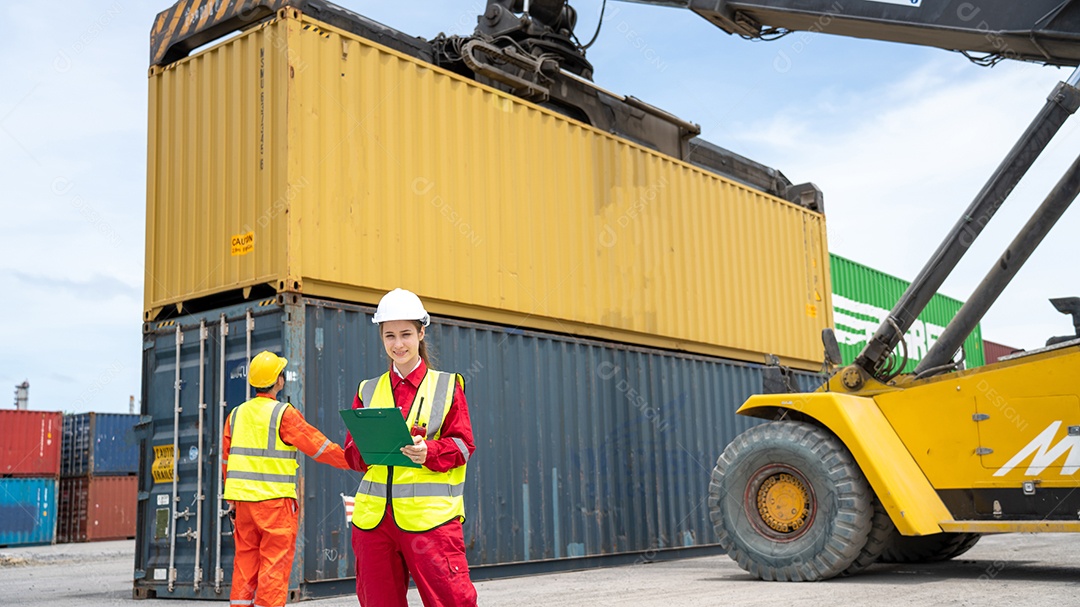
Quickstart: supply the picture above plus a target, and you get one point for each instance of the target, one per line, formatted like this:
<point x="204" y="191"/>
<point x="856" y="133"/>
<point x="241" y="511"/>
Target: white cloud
<point x="899" y="137"/>
<point x="899" y="163"/>
<point x="73" y="140"/>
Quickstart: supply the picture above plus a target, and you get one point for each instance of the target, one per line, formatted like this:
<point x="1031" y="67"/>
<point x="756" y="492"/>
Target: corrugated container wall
<point x="27" y="511"/>
<point x="97" y="508"/>
<point x="994" y="351"/>
<point x="300" y="156"/>
<point x="31" y="443"/>
<point x="99" y="444"/>
<point x="585" y="449"/>
<point x="862" y="299"/>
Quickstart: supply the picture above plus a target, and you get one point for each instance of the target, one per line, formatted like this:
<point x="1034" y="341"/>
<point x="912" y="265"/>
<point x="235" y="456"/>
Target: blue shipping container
<point x="587" y="452"/>
<point x="27" y="511"/>
<point x="99" y="444"/>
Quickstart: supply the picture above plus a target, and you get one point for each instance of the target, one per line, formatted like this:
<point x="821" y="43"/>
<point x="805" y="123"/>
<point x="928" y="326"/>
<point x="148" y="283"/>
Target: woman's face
<point x="401" y="339"/>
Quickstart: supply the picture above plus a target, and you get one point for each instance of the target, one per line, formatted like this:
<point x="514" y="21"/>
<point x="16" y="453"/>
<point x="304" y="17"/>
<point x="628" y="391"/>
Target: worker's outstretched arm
<point x="297" y="432"/>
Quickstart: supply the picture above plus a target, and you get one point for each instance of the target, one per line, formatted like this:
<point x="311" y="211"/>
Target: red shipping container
<point x="30" y="443"/>
<point x="95" y="508"/>
<point x="995" y="351"/>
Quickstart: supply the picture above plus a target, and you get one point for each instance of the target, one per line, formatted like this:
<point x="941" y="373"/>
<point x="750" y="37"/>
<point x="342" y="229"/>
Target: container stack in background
<point x="996" y="351"/>
<point x="862" y="299"/>
<point x="29" y="468"/>
<point x="99" y="465"/>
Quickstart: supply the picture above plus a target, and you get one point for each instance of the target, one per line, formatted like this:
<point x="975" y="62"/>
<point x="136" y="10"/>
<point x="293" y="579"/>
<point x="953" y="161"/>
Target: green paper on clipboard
<point x="379" y="434"/>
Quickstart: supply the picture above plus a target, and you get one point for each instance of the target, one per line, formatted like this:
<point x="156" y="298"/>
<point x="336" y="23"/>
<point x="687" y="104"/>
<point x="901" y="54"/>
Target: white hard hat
<point x="400" y="304"/>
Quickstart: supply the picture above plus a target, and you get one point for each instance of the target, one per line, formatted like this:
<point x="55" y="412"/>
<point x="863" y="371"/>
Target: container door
<point x="194" y="375"/>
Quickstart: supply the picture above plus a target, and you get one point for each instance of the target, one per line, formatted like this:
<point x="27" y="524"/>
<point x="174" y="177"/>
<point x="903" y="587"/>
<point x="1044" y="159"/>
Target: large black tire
<point x="965" y="544"/>
<point x="789" y="503"/>
<point x="881" y="532"/>
<point x="927" y="548"/>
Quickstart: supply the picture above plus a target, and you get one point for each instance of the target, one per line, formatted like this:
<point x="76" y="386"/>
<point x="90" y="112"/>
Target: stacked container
<point x="996" y="351"/>
<point x="609" y="306"/>
<point x="29" y="467"/>
<point x="99" y="444"/>
<point x="97" y="508"/>
<point x="99" y="486"/>
<point x="862" y="298"/>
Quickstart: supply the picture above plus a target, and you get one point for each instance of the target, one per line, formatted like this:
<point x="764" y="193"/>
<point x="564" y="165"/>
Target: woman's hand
<point x="418" y="451"/>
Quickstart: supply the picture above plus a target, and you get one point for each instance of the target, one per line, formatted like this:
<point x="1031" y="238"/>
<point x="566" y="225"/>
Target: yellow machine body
<point x="985" y="450"/>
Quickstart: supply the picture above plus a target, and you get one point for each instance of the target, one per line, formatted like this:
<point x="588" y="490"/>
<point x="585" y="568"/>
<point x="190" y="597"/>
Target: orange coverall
<point x="264" y="533"/>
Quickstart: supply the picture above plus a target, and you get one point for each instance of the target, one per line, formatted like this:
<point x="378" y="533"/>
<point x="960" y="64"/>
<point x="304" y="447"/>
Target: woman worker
<point x="415" y="529"/>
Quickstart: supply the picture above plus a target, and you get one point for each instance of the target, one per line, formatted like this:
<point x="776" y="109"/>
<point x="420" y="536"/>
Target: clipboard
<point x="379" y="434"/>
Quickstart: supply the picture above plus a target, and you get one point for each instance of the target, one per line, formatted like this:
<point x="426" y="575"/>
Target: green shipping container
<point x="863" y="297"/>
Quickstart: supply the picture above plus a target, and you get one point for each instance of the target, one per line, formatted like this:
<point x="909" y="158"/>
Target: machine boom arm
<point x="1044" y="31"/>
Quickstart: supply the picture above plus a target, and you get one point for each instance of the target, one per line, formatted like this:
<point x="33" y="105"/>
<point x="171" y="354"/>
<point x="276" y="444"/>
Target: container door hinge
<point x="980" y="417"/>
<point x="983" y="451"/>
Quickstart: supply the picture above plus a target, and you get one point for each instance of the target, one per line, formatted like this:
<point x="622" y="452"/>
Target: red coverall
<point x="386" y="556"/>
<point x="265" y="532"/>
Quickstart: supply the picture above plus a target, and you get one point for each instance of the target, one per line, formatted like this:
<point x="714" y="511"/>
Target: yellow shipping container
<point x="303" y="157"/>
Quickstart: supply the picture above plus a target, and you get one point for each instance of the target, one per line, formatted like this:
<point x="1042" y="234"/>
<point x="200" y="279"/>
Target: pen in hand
<point x="417" y="452"/>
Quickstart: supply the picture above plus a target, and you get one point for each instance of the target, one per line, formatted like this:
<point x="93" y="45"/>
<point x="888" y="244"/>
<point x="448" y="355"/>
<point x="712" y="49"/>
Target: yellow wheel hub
<point x="783" y="503"/>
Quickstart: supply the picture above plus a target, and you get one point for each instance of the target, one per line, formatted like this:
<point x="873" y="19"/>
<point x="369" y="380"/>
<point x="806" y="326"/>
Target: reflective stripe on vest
<point x="373" y="489"/>
<point x="260" y="465"/>
<point x="439" y="405"/>
<point x="422" y="499"/>
<point x="262" y="477"/>
<point x="367" y="390"/>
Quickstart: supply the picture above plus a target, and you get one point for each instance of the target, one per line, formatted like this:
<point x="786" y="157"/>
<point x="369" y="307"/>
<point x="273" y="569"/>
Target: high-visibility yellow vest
<point x="260" y="466"/>
<point x="421" y="499"/>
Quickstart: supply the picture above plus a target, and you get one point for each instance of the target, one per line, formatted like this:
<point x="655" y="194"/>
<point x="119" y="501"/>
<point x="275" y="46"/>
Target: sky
<point x="900" y="138"/>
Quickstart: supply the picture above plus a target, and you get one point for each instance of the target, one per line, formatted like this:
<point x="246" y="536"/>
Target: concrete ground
<point x="1012" y="570"/>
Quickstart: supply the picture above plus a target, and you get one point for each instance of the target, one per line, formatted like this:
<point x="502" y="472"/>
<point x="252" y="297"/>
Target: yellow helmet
<point x="265" y="368"/>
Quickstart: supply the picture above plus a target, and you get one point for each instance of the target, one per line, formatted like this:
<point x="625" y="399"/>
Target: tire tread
<point x="850" y="527"/>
